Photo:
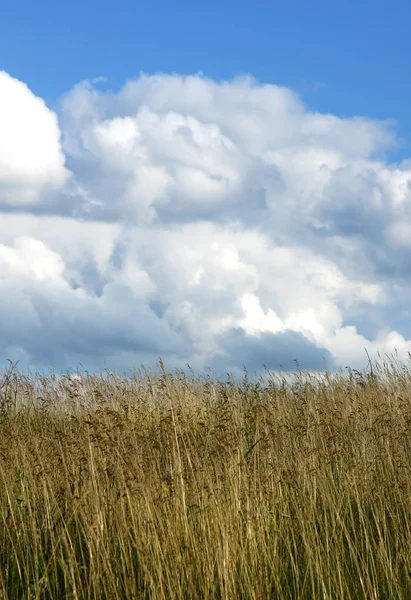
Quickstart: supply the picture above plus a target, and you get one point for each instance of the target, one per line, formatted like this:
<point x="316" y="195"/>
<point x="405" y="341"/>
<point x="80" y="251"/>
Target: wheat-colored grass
<point x="169" y="487"/>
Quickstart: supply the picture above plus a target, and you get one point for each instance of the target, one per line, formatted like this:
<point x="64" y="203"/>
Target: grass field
<point x="176" y="487"/>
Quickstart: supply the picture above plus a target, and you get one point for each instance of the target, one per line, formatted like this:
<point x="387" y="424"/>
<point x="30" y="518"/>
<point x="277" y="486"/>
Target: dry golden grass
<point x="168" y="487"/>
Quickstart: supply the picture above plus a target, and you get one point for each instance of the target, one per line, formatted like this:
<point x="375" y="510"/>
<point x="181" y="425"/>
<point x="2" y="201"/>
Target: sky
<point x="223" y="184"/>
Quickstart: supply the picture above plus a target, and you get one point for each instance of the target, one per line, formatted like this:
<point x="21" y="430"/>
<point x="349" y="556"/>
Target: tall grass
<point x="169" y="487"/>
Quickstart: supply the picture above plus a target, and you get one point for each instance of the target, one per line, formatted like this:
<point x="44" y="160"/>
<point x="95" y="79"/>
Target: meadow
<point x="177" y="487"/>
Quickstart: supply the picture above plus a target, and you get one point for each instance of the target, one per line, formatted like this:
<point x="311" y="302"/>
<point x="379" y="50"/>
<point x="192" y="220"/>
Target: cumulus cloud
<point x="215" y="224"/>
<point x="31" y="159"/>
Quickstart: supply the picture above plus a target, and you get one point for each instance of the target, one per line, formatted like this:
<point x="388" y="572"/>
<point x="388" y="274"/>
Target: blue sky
<point x="347" y="58"/>
<point x="176" y="209"/>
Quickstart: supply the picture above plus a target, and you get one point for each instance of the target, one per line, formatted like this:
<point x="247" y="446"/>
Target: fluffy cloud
<point x="215" y="224"/>
<point x="31" y="160"/>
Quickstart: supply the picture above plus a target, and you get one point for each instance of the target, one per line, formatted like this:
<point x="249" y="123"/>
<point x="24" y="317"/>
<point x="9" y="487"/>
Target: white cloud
<point x="31" y="159"/>
<point x="398" y="233"/>
<point x="204" y="222"/>
<point x="30" y="257"/>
